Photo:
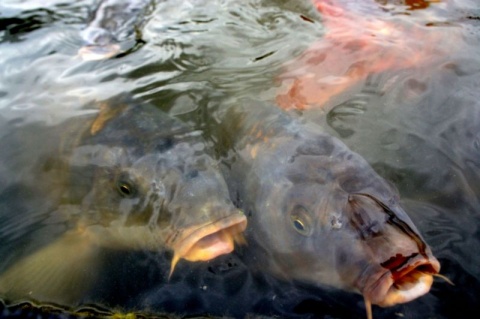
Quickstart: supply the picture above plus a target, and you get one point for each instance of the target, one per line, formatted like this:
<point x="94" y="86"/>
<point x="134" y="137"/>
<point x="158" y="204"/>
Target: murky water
<point x="416" y="120"/>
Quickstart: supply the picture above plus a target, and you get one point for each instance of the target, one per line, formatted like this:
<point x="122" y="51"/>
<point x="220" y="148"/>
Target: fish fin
<point x="106" y="112"/>
<point x="60" y="272"/>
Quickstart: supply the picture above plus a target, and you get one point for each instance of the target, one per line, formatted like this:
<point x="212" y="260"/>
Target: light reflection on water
<point x="418" y="127"/>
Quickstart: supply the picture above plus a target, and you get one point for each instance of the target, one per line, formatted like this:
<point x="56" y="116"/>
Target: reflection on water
<point x="414" y="116"/>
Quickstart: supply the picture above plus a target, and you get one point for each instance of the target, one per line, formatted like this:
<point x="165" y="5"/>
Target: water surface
<point x="417" y="125"/>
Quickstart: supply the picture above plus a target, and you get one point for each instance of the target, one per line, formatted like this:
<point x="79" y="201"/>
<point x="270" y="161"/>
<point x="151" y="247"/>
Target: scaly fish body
<point x="359" y="40"/>
<point x="318" y="212"/>
<point x="132" y="178"/>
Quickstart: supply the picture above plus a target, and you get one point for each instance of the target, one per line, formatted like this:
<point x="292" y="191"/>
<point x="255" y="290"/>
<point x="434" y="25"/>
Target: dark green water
<point x="418" y="127"/>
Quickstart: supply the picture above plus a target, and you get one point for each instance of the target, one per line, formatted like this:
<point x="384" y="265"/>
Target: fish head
<point x="202" y="221"/>
<point x="322" y="215"/>
<point x="99" y="44"/>
<point x="145" y="180"/>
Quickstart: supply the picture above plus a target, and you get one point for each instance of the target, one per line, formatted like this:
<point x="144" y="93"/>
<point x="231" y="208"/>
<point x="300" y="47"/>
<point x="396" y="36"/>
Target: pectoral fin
<point x="59" y="273"/>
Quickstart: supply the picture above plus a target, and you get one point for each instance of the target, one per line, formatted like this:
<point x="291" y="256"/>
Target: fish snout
<point x="406" y="278"/>
<point x="206" y="239"/>
<point x="210" y="231"/>
<point x="98" y="52"/>
<point x="402" y="265"/>
<point x="99" y="44"/>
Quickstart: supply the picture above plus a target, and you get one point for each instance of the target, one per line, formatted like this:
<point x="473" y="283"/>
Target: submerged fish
<point x="360" y="39"/>
<point x="130" y="177"/>
<point x="112" y="22"/>
<point x="317" y="212"/>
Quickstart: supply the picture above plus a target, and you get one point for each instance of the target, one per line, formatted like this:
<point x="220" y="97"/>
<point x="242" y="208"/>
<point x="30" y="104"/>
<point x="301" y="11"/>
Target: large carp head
<point x="319" y="213"/>
<point x="145" y="180"/>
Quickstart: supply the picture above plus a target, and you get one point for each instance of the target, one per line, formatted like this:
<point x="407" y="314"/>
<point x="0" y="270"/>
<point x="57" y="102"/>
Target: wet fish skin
<point x="112" y="22"/>
<point x="361" y="39"/>
<point x="318" y="213"/>
<point x="133" y="178"/>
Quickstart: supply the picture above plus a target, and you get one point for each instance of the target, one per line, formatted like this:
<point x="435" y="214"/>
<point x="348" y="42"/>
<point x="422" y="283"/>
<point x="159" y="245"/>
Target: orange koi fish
<point x="353" y="47"/>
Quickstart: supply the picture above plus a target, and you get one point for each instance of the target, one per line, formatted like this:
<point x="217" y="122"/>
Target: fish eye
<point x="125" y="189"/>
<point x="299" y="225"/>
<point x="301" y="221"/>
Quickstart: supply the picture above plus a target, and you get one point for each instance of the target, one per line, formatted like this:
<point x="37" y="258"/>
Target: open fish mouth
<point x="209" y="240"/>
<point x="408" y="278"/>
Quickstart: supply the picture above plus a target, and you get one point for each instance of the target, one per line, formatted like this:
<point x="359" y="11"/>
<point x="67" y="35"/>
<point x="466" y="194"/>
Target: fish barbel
<point x="131" y="178"/>
<point x="318" y="213"/>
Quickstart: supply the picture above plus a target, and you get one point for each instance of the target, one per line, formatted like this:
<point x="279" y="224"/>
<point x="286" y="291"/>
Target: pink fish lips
<point x="98" y="52"/>
<point x="209" y="240"/>
<point x="405" y="279"/>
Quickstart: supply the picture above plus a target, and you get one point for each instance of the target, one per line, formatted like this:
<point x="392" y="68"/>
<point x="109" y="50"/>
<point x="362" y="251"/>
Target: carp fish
<point x="360" y="39"/>
<point x="129" y="177"/>
<point x="112" y="25"/>
<point x="318" y="213"/>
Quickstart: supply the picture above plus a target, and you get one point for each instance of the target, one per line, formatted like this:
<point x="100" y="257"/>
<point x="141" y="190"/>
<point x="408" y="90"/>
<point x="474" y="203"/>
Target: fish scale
<point x="318" y="213"/>
<point x="128" y="178"/>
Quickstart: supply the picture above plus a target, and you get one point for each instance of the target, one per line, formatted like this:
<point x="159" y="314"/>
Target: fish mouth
<point x="98" y="52"/>
<point x="407" y="279"/>
<point x="209" y="240"/>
